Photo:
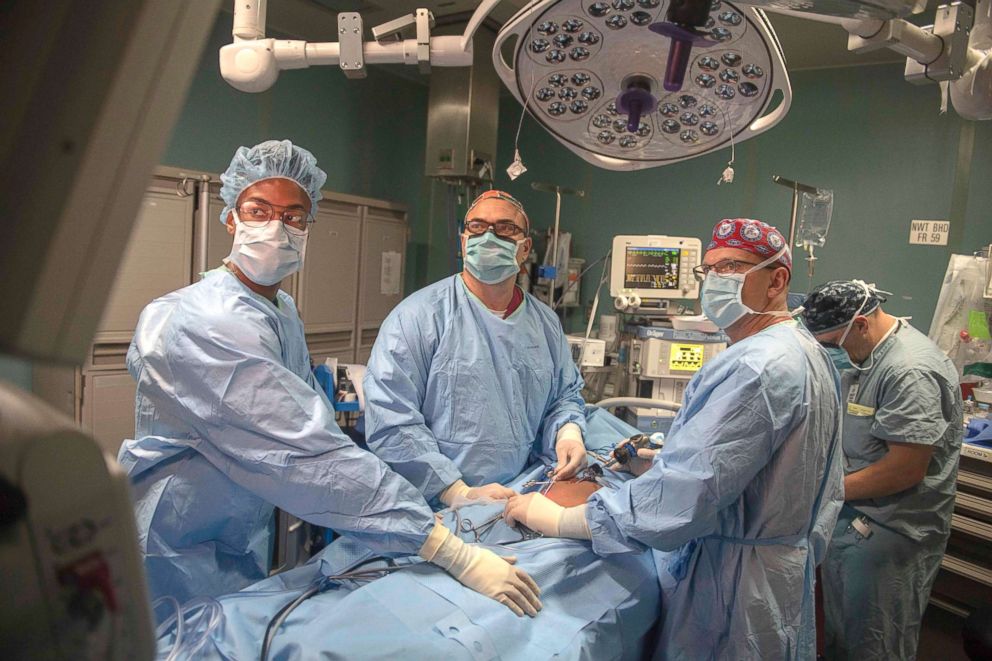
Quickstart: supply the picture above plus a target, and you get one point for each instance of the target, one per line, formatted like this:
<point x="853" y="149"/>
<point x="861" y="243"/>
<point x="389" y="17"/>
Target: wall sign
<point x="929" y="232"/>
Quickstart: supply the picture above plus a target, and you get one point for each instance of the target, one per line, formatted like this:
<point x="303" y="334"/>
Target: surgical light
<point x="735" y="84"/>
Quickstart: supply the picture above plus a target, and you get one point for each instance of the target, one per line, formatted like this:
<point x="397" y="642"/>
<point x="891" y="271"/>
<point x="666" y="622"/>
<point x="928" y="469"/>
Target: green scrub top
<point x="910" y="395"/>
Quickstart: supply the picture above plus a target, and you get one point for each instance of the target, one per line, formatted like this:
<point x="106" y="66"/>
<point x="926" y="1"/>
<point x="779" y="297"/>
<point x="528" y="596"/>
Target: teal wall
<point x="876" y="140"/>
<point x="368" y="135"/>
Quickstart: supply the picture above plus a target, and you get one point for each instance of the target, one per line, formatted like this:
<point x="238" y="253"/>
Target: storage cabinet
<point x="352" y="278"/>
<point x="108" y="407"/>
<point x="384" y="238"/>
<point x="213" y="240"/>
<point x="157" y="260"/>
<point x="327" y="288"/>
<point x="965" y="578"/>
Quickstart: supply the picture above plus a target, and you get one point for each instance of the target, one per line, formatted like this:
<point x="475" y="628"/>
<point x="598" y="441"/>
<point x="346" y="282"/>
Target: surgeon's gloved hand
<point x="459" y="489"/>
<point x="483" y="571"/>
<point x="547" y="517"/>
<point x="492" y="491"/>
<point x="571" y="452"/>
<point x="640" y="464"/>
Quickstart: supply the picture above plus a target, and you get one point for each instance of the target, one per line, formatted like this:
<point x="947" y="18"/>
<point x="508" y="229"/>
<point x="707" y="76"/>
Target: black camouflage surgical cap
<point x="832" y="305"/>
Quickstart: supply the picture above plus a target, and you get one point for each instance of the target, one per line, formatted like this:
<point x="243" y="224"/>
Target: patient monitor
<point x="648" y="271"/>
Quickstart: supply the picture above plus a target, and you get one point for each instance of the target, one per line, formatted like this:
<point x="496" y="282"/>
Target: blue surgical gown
<point x="455" y="392"/>
<point x="876" y="589"/>
<point x="229" y="425"/>
<point x="740" y="503"/>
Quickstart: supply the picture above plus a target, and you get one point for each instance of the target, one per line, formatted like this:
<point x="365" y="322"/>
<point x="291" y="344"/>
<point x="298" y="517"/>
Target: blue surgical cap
<point x="268" y="160"/>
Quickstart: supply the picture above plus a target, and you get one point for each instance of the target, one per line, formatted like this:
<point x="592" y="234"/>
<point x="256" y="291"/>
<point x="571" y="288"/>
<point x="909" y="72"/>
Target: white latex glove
<point x="483" y="571"/>
<point x="547" y="517"/>
<point x="461" y="490"/>
<point x="492" y="491"/>
<point x="571" y="452"/>
<point x="455" y="490"/>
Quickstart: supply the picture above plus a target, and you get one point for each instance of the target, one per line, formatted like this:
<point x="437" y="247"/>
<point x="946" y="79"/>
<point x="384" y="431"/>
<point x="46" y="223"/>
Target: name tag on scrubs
<point x="859" y="410"/>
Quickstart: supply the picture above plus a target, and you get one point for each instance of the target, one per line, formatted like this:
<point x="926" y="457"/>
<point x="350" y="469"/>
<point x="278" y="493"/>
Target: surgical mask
<point x="721" y="299"/>
<point x="869" y="289"/>
<point x="839" y="357"/>
<point x="490" y="259"/>
<point x="267" y="254"/>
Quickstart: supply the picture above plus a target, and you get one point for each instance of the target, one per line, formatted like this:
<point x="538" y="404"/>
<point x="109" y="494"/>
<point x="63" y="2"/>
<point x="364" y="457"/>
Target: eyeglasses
<point x="502" y="228"/>
<point x="724" y="267"/>
<point x="255" y="213"/>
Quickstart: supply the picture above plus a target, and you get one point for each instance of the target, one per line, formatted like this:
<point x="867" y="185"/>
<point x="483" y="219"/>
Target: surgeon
<point x="470" y="376"/>
<point x="230" y="423"/>
<point x="902" y="442"/>
<point x="742" y="499"/>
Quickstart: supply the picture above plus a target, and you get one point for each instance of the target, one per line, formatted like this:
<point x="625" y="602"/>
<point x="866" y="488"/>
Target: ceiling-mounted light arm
<point x="956" y="49"/>
<point x="481" y="13"/>
<point x="252" y="62"/>
<point x="896" y="34"/>
<point x="249" y="20"/>
<point x="425" y="22"/>
<point x="924" y="46"/>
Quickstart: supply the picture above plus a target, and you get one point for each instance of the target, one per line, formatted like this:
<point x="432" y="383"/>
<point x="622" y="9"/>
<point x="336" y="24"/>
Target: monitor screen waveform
<point x="651" y="268"/>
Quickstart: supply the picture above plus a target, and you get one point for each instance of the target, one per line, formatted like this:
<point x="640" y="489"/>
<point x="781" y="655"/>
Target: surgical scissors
<point x="466" y="526"/>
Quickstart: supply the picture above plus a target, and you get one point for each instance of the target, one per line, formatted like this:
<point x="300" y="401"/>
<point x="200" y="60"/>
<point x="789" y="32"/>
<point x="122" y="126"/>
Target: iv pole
<point x="797" y="188"/>
<point x="558" y="191"/>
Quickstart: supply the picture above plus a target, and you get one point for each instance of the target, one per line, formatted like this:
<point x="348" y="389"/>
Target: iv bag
<point x="814" y="218"/>
<point x="561" y="262"/>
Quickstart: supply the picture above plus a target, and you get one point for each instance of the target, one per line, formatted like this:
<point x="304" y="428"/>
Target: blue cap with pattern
<point x="832" y="305"/>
